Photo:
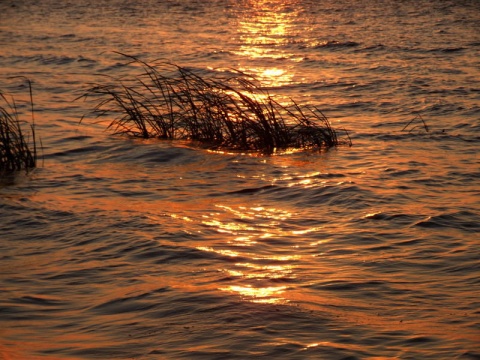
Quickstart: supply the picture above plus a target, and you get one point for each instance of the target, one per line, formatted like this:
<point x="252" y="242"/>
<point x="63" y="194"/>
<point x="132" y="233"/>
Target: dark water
<point x="128" y="249"/>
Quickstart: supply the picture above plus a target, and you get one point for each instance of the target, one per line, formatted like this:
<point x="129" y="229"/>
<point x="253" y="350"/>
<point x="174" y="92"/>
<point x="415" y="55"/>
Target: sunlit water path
<point x="118" y="248"/>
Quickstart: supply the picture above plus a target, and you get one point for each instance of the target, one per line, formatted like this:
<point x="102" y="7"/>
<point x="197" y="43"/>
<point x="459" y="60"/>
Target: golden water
<point x="129" y="249"/>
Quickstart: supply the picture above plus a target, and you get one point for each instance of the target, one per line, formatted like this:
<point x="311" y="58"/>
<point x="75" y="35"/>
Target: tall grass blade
<point x="18" y="150"/>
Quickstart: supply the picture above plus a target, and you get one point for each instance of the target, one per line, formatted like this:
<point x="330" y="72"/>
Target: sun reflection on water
<point x="263" y="31"/>
<point x="253" y="238"/>
<point x="263" y="271"/>
<point x="259" y="248"/>
<point x="264" y="295"/>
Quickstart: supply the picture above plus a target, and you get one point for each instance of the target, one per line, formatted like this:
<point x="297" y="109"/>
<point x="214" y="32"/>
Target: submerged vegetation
<point x="229" y="110"/>
<point x="18" y="149"/>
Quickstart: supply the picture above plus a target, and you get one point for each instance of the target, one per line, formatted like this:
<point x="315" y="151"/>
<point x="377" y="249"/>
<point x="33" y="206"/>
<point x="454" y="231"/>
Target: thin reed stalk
<point x="416" y="118"/>
<point x="18" y="149"/>
<point x="226" y="111"/>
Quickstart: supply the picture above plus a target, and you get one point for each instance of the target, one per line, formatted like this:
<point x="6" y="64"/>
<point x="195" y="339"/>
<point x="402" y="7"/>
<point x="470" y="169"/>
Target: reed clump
<point x="226" y="111"/>
<point x="18" y="148"/>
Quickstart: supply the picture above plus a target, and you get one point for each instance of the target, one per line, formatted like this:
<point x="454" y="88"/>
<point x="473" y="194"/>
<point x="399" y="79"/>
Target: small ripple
<point x="331" y="44"/>
<point x="402" y="219"/>
<point x="76" y="151"/>
<point x="463" y="220"/>
<point x="138" y="303"/>
<point x="251" y="191"/>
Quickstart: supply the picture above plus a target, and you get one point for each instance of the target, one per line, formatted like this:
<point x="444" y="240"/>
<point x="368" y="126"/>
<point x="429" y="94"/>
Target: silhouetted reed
<point x="417" y="118"/>
<point x="226" y="111"/>
<point x="18" y="150"/>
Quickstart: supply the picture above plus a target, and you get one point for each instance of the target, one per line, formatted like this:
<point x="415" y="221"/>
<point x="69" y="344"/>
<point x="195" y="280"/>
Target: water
<point x="118" y="248"/>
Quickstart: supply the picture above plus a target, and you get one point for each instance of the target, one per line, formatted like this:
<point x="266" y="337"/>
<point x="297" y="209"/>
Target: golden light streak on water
<point x="230" y="228"/>
<point x="229" y="253"/>
<point x="263" y="271"/>
<point x="258" y="221"/>
<point x="306" y="231"/>
<point x="261" y="32"/>
<point x="251" y="278"/>
<point x="264" y="295"/>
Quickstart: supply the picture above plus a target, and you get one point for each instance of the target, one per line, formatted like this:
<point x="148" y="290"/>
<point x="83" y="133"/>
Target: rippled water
<point x="127" y="249"/>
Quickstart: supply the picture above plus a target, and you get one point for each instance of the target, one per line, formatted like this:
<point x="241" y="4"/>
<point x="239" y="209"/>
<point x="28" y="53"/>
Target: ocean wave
<point x="398" y="218"/>
<point x="463" y="220"/>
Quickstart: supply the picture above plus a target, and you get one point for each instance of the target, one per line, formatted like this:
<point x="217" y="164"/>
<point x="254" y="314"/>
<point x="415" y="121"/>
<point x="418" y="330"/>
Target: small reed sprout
<point x="417" y="118"/>
<point x="230" y="110"/>
<point x="18" y="148"/>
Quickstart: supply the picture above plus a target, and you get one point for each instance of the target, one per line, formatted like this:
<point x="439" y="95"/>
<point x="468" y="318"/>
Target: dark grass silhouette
<point x="18" y="148"/>
<point x="226" y="111"/>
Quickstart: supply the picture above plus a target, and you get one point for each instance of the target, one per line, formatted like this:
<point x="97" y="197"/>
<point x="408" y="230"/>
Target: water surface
<point x="118" y="248"/>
